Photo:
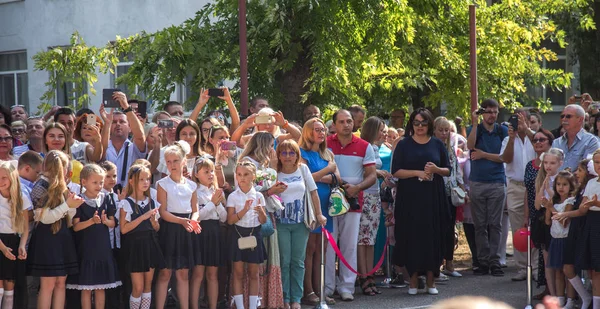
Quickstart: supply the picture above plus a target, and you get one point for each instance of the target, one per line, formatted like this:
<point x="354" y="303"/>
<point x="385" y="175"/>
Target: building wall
<point x="35" y="25"/>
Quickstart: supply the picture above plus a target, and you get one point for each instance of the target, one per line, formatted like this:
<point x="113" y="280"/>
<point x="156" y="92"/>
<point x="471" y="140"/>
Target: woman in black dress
<point x="420" y="161"/>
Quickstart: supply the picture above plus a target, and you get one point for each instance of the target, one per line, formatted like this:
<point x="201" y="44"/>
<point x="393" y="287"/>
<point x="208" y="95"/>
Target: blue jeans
<point x="292" y="250"/>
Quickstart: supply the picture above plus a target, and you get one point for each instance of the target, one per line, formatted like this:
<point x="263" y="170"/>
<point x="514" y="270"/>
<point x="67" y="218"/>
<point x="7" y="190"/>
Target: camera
<point x="480" y="111"/>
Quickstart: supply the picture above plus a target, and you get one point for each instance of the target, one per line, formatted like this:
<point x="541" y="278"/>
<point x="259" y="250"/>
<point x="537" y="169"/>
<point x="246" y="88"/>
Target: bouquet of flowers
<point x="265" y="179"/>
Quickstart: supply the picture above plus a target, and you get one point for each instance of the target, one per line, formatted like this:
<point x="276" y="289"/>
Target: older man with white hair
<point x="576" y="143"/>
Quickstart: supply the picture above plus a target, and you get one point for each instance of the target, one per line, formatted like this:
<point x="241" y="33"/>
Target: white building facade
<point x="30" y="26"/>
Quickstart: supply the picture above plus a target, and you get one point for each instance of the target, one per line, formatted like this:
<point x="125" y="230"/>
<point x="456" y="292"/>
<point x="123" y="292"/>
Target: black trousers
<point x="469" y="229"/>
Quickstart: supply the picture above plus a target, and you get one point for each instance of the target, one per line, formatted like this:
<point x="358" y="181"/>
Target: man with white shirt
<point x="517" y="150"/>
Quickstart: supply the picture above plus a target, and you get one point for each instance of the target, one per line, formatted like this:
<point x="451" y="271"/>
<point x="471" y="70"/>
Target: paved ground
<point x="499" y="288"/>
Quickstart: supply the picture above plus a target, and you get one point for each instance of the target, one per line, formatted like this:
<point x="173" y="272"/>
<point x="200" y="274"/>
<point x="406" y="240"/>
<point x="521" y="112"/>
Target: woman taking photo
<point x="321" y="164"/>
<point x="420" y="161"/>
<point x="442" y="130"/>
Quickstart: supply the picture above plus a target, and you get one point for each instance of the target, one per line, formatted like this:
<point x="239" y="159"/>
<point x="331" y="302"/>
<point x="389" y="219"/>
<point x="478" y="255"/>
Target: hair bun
<point x="184" y="146"/>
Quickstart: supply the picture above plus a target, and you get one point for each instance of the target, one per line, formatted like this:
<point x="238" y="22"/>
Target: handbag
<point x="457" y="195"/>
<point x="338" y="205"/>
<point x="310" y="220"/>
<point x="248" y="242"/>
<point x="267" y="229"/>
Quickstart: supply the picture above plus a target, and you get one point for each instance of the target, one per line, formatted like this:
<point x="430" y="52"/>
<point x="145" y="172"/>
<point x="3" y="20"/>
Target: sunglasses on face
<point x="539" y="140"/>
<point x="568" y="116"/>
<point x="418" y="123"/>
<point x="288" y="153"/>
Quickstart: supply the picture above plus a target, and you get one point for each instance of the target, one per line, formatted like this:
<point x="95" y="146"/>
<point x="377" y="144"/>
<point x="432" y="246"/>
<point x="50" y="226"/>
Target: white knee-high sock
<point x="239" y="301"/>
<point x="146" y="300"/>
<point x="7" y="302"/>
<point x="561" y="300"/>
<point x="586" y="298"/>
<point x="253" y="302"/>
<point x="134" y="303"/>
<point x="596" y="302"/>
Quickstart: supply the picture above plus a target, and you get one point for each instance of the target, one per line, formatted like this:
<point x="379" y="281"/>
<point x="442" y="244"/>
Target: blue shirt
<point x="26" y="187"/>
<point x="484" y="170"/>
<point x="118" y="158"/>
<point x="584" y="145"/>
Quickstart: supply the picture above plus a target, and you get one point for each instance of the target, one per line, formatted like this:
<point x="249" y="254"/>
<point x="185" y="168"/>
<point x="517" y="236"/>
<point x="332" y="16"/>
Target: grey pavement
<point x="498" y="288"/>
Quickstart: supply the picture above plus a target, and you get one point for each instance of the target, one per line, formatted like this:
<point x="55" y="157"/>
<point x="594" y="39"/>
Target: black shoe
<point x="481" y="271"/>
<point x="497" y="271"/>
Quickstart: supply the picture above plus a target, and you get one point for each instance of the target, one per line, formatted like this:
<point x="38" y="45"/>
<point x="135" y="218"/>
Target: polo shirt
<point x="352" y="158"/>
<point x="584" y="145"/>
<point x="484" y="170"/>
<point x="118" y="158"/>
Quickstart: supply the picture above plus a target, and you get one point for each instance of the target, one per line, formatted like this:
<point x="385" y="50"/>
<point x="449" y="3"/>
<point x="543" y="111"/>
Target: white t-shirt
<point x="6" y="220"/>
<point x="208" y="210"/>
<point x="557" y="230"/>
<point x="179" y="195"/>
<point x="293" y="197"/>
<point x="78" y="151"/>
<point x="592" y="188"/>
<point x="237" y="199"/>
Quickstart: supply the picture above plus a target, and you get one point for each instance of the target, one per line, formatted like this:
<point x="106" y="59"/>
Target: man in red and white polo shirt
<point x="355" y="159"/>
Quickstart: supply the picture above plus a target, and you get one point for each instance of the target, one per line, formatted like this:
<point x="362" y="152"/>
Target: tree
<point x="380" y="53"/>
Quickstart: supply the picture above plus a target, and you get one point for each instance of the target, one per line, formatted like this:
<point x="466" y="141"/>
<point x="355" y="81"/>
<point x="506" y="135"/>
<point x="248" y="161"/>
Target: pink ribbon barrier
<point x="343" y="259"/>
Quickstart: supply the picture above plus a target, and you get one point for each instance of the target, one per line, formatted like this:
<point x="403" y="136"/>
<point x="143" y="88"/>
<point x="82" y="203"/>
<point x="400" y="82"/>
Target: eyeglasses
<point x="17" y="131"/>
<point x="288" y="153"/>
<point x="418" y="123"/>
<point x="539" y="140"/>
<point x="568" y="116"/>
<point x="5" y="139"/>
<point x="320" y="130"/>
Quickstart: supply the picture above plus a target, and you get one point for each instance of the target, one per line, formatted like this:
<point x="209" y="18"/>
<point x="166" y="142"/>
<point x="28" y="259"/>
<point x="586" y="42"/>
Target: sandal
<point x="330" y="301"/>
<point x="310" y="300"/>
<point x="366" y="287"/>
<point x="372" y="284"/>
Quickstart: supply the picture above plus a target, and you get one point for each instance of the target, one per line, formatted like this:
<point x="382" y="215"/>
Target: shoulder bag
<point x="310" y="220"/>
<point x="338" y="205"/>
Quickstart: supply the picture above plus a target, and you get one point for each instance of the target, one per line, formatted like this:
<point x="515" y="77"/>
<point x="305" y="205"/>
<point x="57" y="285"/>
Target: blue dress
<point x="315" y="163"/>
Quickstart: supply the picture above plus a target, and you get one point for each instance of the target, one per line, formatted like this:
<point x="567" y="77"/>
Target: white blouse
<point x="238" y="199"/>
<point x="179" y="195"/>
<point x="208" y="210"/>
<point x="126" y="206"/>
<point x="6" y="222"/>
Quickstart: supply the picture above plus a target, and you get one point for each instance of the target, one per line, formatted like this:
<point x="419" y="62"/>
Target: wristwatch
<point x="127" y="110"/>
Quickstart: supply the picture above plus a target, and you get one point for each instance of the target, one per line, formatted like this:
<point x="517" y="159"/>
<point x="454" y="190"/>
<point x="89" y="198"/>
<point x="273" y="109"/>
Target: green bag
<point x="338" y="205"/>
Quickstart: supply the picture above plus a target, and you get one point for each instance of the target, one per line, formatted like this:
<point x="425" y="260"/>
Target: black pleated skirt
<point x="257" y="255"/>
<point x="52" y="255"/>
<point x="590" y="240"/>
<point x="140" y="251"/>
<point x="176" y="244"/>
<point x="573" y="244"/>
<point x="11" y="269"/>
<point x="208" y="244"/>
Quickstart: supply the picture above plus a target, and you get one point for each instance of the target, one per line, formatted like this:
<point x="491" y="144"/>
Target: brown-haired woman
<point x="420" y="161"/>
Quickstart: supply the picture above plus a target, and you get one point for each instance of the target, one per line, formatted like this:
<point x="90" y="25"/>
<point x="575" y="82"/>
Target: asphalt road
<point x="498" y="288"/>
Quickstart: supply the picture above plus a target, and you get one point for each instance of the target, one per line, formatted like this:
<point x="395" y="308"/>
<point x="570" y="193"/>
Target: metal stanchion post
<point x="323" y="303"/>
<point x="388" y="271"/>
<point x="529" y="268"/>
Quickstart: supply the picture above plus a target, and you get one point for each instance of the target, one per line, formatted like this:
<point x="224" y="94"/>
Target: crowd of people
<point x="111" y="209"/>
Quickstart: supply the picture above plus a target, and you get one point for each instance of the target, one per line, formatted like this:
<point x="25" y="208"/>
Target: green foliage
<point x="383" y="54"/>
<point x="77" y="64"/>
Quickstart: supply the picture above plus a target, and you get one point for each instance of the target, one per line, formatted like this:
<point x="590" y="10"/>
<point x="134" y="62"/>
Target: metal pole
<point x="243" y="59"/>
<point x="473" y="57"/>
<point x="529" y="268"/>
<point x="323" y="303"/>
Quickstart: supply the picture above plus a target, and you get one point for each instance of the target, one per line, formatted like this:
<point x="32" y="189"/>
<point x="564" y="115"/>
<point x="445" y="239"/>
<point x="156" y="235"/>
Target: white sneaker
<point x="412" y="291"/>
<point x="432" y="291"/>
<point x="346" y="296"/>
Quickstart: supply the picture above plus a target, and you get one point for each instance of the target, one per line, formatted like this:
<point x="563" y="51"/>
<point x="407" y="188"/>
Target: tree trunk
<point x="292" y="87"/>
<point x="589" y="63"/>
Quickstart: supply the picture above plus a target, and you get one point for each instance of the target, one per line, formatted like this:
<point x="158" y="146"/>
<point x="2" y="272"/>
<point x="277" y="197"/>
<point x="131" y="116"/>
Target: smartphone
<point x="514" y="121"/>
<point x="143" y="108"/>
<point x="266" y="119"/>
<point x="107" y="99"/>
<point x="229" y="145"/>
<point x="91" y="120"/>
<point x="216" y="92"/>
<point x="165" y="124"/>
<point x="577" y="97"/>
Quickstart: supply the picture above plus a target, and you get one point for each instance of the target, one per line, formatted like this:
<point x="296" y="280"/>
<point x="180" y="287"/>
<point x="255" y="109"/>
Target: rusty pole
<point x="243" y="58"/>
<point x="473" y="57"/>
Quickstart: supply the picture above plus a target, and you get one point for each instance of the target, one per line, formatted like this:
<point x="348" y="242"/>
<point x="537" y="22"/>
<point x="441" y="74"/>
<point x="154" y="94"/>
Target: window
<point x="122" y="68"/>
<point x="14" y="84"/>
<point x="556" y="97"/>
